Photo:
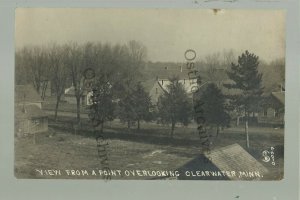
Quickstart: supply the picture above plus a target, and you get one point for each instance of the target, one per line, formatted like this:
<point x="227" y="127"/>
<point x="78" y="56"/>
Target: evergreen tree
<point x="246" y="78"/>
<point x="214" y="110"/>
<point x="102" y="108"/>
<point x="126" y="105"/>
<point x="174" y="105"/>
<point x="135" y="106"/>
<point x="143" y="105"/>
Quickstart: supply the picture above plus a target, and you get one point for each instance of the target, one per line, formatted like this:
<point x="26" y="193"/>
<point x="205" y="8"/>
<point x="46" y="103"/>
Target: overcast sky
<point x="166" y="33"/>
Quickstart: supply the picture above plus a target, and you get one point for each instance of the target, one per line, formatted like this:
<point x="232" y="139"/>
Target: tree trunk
<point x="44" y="90"/>
<point x="217" y="131"/>
<point x="138" y="127"/>
<point x="172" y="129"/>
<point x="102" y="126"/>
<point x="56" y="108"/>
<point x="247" y="132"/>
<point x="237" y="121"/>
<point x="78" y="108"/>
<point x="128" y="124"/>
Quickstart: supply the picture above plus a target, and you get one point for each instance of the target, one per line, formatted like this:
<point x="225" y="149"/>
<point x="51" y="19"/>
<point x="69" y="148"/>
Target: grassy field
<point x="151" y="148"/>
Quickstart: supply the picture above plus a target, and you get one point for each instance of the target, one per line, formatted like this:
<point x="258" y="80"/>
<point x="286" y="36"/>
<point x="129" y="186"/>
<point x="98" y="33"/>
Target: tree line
<point x="117" y="84"/>
<point x="120" y="66"/>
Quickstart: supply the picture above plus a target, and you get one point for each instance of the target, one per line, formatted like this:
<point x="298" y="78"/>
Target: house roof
<point x="71" y="91"/>
<point x="26" y="93"/>
<point x="279" y="96"/>
<point x="29" y="112"/>
<point x="160" y="86"/>
<point x="228" y="158"/>
<point x="186" y="83"/>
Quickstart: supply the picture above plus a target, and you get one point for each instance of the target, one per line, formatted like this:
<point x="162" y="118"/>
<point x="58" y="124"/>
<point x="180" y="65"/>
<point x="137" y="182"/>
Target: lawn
<point x="151" y="148"/>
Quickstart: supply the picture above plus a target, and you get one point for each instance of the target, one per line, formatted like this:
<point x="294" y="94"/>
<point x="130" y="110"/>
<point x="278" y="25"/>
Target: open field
<point x="147" y="149"/>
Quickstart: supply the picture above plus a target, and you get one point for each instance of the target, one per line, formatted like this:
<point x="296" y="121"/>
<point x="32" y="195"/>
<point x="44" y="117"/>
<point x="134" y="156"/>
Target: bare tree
<point x="137" y="55"/>
<point x="35" y="61"/>
<point x="228" y="58"/>
<point x="59" y="73"/>
<point x="74" y="64"/>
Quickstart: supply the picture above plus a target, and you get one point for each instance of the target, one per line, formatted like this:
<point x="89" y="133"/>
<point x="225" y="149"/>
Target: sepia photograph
<point x="149" y="94"/>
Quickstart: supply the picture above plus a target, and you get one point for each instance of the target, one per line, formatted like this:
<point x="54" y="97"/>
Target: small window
<point x="276" y="113"/>
<point x="36" y="122"/>
<point x="265" y="112"/>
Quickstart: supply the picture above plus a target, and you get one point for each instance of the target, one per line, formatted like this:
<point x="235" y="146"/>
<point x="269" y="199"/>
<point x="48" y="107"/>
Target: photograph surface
<point x="149" y="94"/>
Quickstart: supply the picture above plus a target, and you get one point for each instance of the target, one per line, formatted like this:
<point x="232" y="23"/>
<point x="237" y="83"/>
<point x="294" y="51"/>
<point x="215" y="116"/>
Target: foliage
<point x="213" y="107"/>
<point x="248" y="80"/>
<point x="102" y="108"/>
<point x="175" y="105"/>
<point x="136" y="106"/>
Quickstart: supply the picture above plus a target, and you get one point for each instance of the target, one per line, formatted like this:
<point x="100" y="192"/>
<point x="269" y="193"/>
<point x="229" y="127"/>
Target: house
<point x="161" y="86"/>
<point x="69" y="96"/>
<point x="272" y="112"/>
<point x="29" y="116"/>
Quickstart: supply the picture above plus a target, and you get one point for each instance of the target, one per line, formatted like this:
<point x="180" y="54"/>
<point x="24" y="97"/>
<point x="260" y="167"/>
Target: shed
<point x="226" y="163"/>
<point x="29" y="116"/>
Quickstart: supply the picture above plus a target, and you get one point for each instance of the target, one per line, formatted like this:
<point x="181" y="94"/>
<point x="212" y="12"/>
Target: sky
<point x="167" y="33"/>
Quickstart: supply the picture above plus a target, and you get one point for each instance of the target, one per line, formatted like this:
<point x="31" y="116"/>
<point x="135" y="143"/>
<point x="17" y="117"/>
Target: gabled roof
<point x="71" y="91"/>
<point x="160" y="86"/>
<point x="29" y="112"/>
<point x="186" y="83"/>
<point x="26" y="94"/>
<point x="228" y="158"/>
<point x="279" y="96"/>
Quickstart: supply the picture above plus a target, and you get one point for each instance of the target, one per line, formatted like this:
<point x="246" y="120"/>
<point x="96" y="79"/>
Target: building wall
<point x="72" y="99"/>
<point x="31" y="126"/>
<point x="270" y="116"/>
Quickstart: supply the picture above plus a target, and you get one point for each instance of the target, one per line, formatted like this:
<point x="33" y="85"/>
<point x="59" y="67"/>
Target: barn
<point x="272" y="112"/>
<point x="29" y="116"/>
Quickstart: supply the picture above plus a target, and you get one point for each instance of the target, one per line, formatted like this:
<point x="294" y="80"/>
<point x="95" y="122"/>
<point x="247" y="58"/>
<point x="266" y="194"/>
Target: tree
<point x="74" y="62"/>
<point x="142" y="105"/>
<point x="130" y="60"/>
<point x="246" y="78"/>
<point x="213" y="63"/>
<point x="102" y="108"/>
<point x="214" y="110"/>
<point x="137" y="53"/>
<point x="126" y="107"/>
<point x="274" y="75"/>
<point x="32" y="65"/>
<point x="58" y="73"/>
<point x="174" y="105"/>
